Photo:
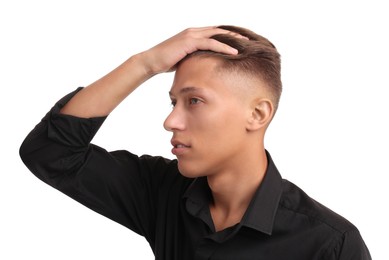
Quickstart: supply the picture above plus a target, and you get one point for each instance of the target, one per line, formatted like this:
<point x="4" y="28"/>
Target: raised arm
<point x="119" y="185"/>
<point x="102" y="96"/>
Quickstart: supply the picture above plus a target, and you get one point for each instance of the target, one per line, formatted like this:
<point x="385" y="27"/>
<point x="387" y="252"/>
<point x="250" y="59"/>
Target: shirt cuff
<point x="70" y="130"/>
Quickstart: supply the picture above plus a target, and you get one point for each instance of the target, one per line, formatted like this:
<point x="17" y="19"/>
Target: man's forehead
<point x="195" y="74"/>
<point x="205" y="75"/>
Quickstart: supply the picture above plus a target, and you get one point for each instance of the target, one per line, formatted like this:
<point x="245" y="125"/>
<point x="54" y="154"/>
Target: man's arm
<point x="102" y="96"/>
<point x="353" y="247"/>
<point x="349" y="246"/>
<point x="119" y="185"/>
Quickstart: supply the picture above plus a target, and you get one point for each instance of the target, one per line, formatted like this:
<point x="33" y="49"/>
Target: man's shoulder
<point x="296" y="201"/>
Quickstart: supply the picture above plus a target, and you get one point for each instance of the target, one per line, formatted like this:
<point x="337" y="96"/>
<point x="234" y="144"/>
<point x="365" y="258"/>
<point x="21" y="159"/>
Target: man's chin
<point x="189" y="171"/>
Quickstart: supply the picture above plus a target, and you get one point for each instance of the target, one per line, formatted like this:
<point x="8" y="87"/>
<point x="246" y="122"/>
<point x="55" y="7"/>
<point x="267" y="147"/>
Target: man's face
<point x="208" y="120"/>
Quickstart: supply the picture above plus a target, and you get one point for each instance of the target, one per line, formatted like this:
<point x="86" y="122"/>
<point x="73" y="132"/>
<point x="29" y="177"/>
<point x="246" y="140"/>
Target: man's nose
<point x="174" y="121"/>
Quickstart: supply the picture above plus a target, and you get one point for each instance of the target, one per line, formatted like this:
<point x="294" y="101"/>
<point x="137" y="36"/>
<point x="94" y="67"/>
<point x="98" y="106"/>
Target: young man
<point x="223" y="197"/>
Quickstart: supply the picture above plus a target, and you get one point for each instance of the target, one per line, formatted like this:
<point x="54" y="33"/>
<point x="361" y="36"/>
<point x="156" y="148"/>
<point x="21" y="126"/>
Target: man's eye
<point x="173" y="103"/>
<point x="194" y="101"/>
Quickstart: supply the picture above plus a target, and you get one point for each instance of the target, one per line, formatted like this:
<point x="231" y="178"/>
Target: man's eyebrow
<point x="186" y="90"/>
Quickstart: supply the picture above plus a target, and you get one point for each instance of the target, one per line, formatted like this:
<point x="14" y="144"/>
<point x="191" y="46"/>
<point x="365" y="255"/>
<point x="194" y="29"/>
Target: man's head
<point x="223" y="104"/>
<point x="257" y="58"/>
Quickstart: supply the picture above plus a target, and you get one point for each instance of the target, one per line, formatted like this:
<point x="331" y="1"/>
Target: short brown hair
<point x="257" y="57"/>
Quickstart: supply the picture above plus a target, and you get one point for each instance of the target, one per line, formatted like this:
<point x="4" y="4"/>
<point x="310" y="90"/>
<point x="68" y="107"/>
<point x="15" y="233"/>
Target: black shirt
<point x="148" y="195"/>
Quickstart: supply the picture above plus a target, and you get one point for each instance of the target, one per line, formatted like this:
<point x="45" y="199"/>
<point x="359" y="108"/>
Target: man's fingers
<point x="237" y="35"/>
<point x="165" y="55"/>
<point x="216" y="46"/>
<point x="201" y="39"/>
<point x="211" y="31"/>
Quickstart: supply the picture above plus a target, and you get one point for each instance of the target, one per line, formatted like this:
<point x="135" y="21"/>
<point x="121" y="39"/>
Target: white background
<point x="330" y="136"/>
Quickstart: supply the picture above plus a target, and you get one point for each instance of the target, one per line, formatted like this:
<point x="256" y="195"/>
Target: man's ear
<point x="262" y="111"/>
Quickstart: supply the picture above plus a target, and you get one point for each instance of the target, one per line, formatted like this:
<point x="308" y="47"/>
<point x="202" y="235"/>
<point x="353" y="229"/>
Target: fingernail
<point x="234" y="51"/>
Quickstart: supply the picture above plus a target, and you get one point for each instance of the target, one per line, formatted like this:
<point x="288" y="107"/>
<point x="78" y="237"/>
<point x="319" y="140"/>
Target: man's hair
<point x="256" y="57"/>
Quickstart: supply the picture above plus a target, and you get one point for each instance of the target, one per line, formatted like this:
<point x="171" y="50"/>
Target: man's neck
<point x="232" y="191"/>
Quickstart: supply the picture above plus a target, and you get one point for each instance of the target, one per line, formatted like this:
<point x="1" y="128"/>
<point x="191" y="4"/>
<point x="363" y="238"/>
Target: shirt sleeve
<point x="354" y="247"/>
<point x="118" y="185"/>
<point x="350" y="247"/>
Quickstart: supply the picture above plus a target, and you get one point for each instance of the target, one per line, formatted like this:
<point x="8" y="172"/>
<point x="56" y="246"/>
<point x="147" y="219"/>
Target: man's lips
<point x="178" y="144"/>
<point x="179" y="148"/>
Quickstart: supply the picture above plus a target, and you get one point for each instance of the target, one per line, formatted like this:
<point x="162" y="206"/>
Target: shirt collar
<point x="261" y="211"/>
<point x="198" y="196"/>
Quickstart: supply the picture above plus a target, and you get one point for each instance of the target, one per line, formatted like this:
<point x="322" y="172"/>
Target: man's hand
<point x="102" y="96"/>
<point x="164" y="56"/>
